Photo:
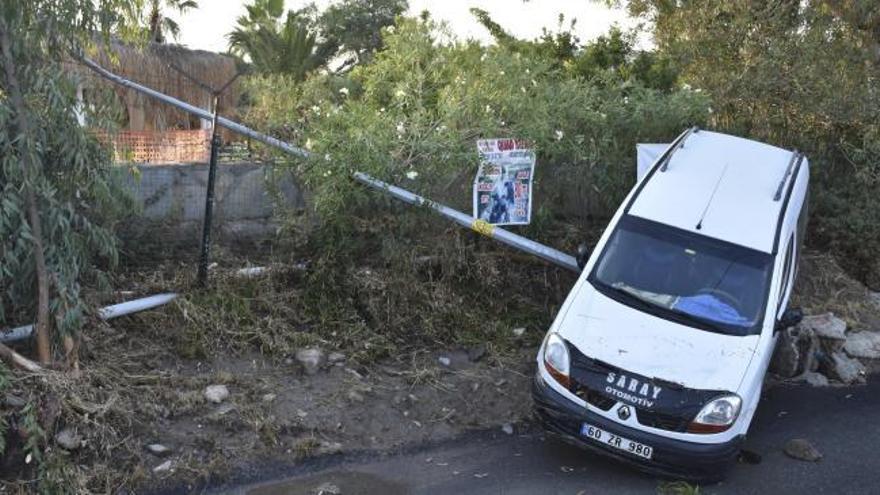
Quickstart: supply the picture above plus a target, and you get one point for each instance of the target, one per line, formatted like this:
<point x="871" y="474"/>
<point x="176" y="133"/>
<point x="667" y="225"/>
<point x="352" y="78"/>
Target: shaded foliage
<point x="800" y="75"/>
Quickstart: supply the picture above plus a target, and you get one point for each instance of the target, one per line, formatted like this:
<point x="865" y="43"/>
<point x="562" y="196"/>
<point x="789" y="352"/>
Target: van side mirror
<point x="583" y="255"/>
<point x="790" y="318"/>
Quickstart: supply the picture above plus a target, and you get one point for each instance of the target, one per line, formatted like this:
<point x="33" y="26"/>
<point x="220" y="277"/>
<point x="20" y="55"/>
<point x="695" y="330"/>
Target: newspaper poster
<point x="503" y="186"/>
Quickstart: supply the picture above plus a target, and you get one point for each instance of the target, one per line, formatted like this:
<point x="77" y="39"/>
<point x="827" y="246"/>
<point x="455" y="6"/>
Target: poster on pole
<point x="503" y="185"/>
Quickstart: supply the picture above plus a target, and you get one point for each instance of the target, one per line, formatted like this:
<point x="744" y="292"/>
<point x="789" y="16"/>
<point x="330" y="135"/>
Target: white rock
<point x="816" y="379"/>
<point x="519" y="331"/>
<point x="826" y="326"/>
<point x="507" y="428"/>
<point x="846" y="369"/>
<point x="67" y="439"/>
<point x="216" y="393"/>
<point x="311" y="359"/>
<point x="269" y="397"/>
<point x="158" y="449"/>
<point x="335" y="357"/>
<point x="163" y="468"/>
<point x="863" y="345"/>
<point x="445" y="361"/>
<point x="355" y="396"/>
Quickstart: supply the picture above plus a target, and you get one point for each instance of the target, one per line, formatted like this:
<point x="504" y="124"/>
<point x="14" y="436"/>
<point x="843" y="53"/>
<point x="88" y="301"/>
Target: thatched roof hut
<point x="156" y="66"/>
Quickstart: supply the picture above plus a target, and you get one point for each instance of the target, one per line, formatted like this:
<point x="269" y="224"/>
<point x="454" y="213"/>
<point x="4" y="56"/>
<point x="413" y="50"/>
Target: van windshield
<point x="684" y="277"/>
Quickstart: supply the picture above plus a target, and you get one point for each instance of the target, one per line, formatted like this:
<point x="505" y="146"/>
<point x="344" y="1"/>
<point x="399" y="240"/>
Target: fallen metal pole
<point x="480" y="226"/>
<point x="106" y="313"/>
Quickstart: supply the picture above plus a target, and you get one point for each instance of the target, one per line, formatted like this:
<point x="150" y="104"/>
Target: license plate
<point x="599" y="435"/>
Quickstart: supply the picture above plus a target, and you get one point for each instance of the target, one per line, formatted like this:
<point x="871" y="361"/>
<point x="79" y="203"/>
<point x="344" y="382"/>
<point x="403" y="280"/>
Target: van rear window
<point x="690" y="278"/>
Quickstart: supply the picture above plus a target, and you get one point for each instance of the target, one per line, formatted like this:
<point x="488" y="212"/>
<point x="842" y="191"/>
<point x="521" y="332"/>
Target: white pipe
<point x="116" y="310"/>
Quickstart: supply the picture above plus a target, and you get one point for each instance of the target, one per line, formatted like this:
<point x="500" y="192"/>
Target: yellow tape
<point x="483" y="227"/>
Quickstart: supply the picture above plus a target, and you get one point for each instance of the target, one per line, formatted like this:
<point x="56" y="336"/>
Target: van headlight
<point x="717" y="416"/>
<point x="556" y="359"/>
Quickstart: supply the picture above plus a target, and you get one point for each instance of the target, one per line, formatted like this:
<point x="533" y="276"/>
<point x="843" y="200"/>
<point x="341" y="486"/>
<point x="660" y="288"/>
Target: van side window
<point x="786" y="270"/>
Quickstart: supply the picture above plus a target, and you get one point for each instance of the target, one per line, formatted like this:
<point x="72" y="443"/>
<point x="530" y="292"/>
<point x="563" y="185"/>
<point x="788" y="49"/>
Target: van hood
<point x="604" y="329"/>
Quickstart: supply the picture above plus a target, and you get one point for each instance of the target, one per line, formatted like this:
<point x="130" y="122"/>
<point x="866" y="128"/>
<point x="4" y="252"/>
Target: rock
<point x="311" y="359"/>
<point x="269" y="397"/>
<point x="335" y="357"/>
<point x="844" y="368"/>
<point x="816" y="379"/>
<point x="157" y="449"/>
<point x="519" y="332"/>
<point x="802" y="449"/>
<point x="874" y="297"/>
<point x="863" y="345"/>
<point x="328" y="448"/>
<point x="222" y="410"/>
<point x="477" y="352"/>
<point x="445" y="361"/>
<point x="327" y="488"/>
<point x="787" y="356"/>
<point x="829" y="328"/>
<point x="216" y="393"/>
<point x="355" y="396"/>
<point x="67" y="439"/>
<point x="507" y="428"/>
<point x="163" y="468"/>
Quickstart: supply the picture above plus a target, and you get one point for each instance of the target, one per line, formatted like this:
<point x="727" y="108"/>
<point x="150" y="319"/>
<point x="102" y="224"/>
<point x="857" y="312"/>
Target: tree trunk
<point x="30" y="170"/>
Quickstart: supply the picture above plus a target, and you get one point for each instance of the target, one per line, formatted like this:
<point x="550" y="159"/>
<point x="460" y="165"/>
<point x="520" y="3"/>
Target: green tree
<point x="277" y="43"/>
<point x="352" y="28"/>
<point x="160" y="26"/>
<point x="57" y="191"/>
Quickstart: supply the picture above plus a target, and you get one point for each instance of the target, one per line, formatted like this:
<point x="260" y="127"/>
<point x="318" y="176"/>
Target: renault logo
<point x="623" y="412"/>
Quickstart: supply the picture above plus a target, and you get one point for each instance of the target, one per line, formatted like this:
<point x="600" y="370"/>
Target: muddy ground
<point x="144" y="377"/>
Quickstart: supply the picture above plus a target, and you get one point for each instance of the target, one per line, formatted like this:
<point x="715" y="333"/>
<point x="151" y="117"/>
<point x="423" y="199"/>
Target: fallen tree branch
<point x="18" y="361"/>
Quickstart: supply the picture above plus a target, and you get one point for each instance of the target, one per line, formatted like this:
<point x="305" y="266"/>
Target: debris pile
<point x="820" y="349"/>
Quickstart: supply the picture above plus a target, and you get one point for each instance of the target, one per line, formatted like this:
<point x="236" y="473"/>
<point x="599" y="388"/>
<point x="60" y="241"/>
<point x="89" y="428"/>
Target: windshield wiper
<point x="700" y="322"/>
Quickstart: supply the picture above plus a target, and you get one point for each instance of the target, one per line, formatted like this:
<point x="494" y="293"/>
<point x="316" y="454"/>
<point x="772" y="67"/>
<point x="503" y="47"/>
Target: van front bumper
<point x="671" y="458"/>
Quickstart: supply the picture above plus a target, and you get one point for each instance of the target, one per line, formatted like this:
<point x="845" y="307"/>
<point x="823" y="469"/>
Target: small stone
<point x="863" y="345"/>
<point x="816" y="379"/>
<point x="445" y="361"/>
<point x="157" y="449"/>
<point x="163" y="468"/>
<point x="335" y="357"/>
<point x="222" y="410"/>
<point x="216" y="393"/>
<point x="477" y="352"/>
<point x="310" y="359"/>
<point x="269" y="397"/>
<point x="67" y="439"/>
<point x="328" y="448"/>
<point x="826" y="326"/>
<point x="845" y="369"/>
<point x="301" y="414"/>
<point x="327" y="488"/>
<point x="519" y="332"/>
<point x="507" y="428"/>
<point x="802" y="449"/>
<point x="355" y="396"/>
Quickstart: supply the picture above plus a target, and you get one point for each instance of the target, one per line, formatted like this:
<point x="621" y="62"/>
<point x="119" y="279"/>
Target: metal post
<point x="209" y="199"/>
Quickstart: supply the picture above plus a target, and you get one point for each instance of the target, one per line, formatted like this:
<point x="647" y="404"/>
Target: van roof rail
<point x="692" y="130"/>
<point x="796" y="156"/>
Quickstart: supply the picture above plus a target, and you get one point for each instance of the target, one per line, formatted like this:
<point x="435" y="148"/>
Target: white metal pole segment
<point x="480" y="226"/>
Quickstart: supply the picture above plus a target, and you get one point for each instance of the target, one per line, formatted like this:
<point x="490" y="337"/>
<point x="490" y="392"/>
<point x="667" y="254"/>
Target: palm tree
<point x="159" y="25"/>
<point x="288" y="47"/>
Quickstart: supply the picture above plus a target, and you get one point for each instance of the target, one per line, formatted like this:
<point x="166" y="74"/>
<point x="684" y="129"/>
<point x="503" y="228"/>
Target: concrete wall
<point x="172" y="199"/>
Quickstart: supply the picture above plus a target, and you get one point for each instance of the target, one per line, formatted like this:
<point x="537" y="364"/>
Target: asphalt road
<point x="843" y="423"/>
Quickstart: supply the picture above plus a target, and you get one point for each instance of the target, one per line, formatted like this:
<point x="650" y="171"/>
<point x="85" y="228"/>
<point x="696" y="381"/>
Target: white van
<point x="658" y="354"/>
